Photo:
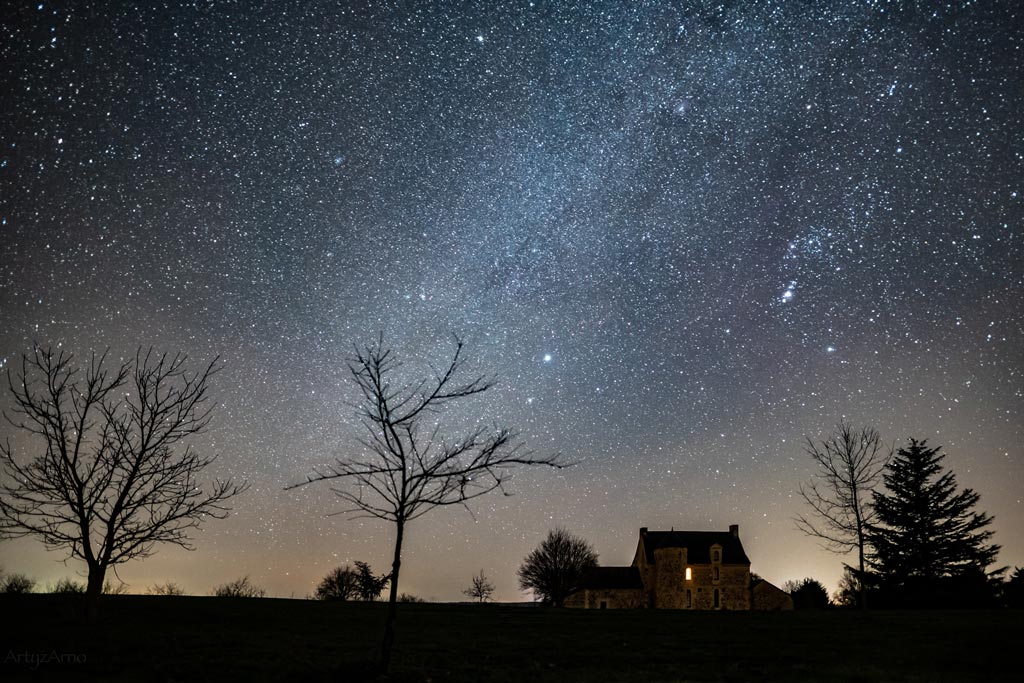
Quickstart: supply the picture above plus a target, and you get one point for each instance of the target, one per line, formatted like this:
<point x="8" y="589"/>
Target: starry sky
<point x="684" y="236"/>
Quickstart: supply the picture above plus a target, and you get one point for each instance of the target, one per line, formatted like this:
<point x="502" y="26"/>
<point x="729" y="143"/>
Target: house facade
<point x="697" y="570"/>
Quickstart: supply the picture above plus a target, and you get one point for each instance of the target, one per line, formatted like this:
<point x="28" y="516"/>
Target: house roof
<point x="754" y="583"/>
<point x="612" y="577"/>
<point x="698" y="545"/>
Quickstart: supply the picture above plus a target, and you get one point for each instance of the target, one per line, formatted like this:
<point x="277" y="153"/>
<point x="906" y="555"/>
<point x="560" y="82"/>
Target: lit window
<point x="689" y="574"/>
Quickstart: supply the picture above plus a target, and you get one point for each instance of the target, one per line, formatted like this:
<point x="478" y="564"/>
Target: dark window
<point x="715" y="557"/>
<point x="717" y="601"/>
<point x="604" y="604"/>
<point x="689" y="599"/>
<point x="716" y="574"/>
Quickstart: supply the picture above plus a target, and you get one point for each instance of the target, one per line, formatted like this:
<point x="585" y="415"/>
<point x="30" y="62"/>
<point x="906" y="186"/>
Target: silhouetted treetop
<point x="109" y="474"/>
<point x="926" y="528"/>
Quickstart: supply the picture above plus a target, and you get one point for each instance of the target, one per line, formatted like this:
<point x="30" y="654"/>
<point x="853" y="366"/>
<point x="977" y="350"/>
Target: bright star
<point x="547" y="357"/>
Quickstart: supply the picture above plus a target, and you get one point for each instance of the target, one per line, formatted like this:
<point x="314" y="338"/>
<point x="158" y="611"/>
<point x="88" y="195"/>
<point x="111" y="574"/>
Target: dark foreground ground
<point x="213" y="639"/>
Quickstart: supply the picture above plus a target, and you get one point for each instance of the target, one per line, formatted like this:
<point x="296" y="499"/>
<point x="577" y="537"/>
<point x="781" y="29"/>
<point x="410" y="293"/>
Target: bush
<point x="808" y="594"/>
<point x="17" y="583"/>
<point x="409" y="597"/>
<point x="168" y="588"/>
<point x="66" y="586"/>
<point x="239" y="588"/>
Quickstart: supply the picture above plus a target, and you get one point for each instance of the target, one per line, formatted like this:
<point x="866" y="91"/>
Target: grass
<point x="223" y="639"/>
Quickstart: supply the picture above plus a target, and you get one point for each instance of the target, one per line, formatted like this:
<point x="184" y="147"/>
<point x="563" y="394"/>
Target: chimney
<point x="734" y="529"/>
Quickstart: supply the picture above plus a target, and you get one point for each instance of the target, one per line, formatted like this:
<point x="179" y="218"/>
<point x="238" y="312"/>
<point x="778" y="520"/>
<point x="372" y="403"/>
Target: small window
<point x="604" y="604"/>
<point x="717" y="600"/>
<point x="689" y="600"/>
<point x="689" y="574"/>
<point x="716" y="556"/>
<point x="716" y="574"/>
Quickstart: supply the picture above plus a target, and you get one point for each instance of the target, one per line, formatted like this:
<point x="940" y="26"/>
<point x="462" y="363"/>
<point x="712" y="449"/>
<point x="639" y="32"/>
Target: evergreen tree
<point x="926" y="529"/>
<point x="1013" y="590"/>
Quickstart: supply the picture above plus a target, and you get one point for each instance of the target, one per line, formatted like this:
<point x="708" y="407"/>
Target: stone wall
<point x="765" y="596"/>
<point x="665" y="585"/>
<point x="613" y="598"/>
<point x="733" y="586"/>
<point x="669" y="577"/>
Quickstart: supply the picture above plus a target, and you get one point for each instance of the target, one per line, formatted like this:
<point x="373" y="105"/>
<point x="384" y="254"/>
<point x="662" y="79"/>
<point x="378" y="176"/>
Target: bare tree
<point x="555" y="569"/>
<point x="481" y="589"/>
<point x="407" y="468"/>
<point x="109" y="479"/>
<point x="167" y="589"/>
<point x="239" y="588"/>
<point x="849" y="467"/>
<point x="342" y="583"/>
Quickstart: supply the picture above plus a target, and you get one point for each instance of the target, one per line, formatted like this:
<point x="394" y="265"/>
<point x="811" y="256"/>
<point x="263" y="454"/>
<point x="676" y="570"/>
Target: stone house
<point x="700" y="570"/>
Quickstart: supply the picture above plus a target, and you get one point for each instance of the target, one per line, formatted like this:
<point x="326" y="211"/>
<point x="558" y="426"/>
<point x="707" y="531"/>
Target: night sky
<point x="683" y="236"/>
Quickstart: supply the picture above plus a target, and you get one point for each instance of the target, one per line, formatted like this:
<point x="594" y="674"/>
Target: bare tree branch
<point x="481" y="589"/>
<point x="110" y="481"/>
<point x="849" y="466"/>
<point x="408" y="470"/>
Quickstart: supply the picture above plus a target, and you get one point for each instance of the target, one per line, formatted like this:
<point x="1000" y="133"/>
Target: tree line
<point x="111" y="475"/>
<point x="918" y="537"/>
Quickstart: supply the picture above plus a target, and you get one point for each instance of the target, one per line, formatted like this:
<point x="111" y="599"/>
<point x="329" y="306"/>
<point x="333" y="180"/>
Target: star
<point x="648" y="218"/>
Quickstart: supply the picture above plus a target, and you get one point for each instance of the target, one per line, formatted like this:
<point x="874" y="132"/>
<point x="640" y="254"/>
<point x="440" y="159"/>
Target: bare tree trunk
<point x="861" y="592"/>
<point x="93" y="591"/>
<point x="389" y="622"/>
<point x="113" y="479"/>
<point x="850" y="463"/>
<point x="409" y="469"/>
<point x="861" y="595"/>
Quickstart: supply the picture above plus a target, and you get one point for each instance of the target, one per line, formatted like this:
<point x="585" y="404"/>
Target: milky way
<point x="684" y="237"/>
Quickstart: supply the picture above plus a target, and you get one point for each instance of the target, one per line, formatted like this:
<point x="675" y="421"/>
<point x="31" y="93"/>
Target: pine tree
<point x="925" y="529"/>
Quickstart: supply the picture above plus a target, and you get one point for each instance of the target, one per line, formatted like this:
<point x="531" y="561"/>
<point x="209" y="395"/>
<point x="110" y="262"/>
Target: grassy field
<point x="215" y="639"/>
